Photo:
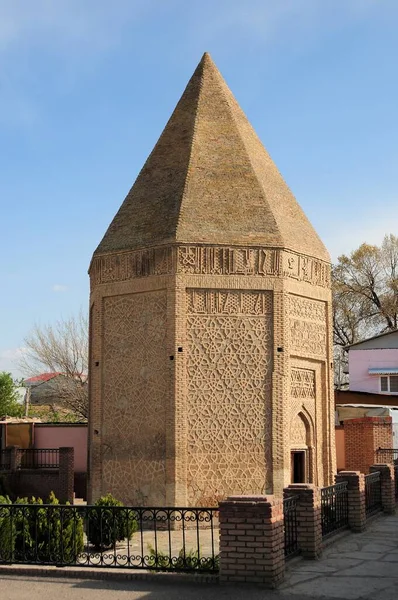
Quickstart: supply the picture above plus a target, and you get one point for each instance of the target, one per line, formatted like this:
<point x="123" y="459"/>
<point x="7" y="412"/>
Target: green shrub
<point x="52" y="534"/>
<point x="190" y="560"/>
<point x="105" y="526"/>
<point x="7" y="531"/>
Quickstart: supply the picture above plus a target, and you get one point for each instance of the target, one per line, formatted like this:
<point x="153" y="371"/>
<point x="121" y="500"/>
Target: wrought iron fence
<point x="162" y="539"/>
<point x="334" y="508"/>
<point x="387" y="455"/>
<point x="5" y="460"/>
<point x="373" y="493"/>
<point x="290" y="521"/>
<point x="396" y="481"/>
<point x="37" y="458"/>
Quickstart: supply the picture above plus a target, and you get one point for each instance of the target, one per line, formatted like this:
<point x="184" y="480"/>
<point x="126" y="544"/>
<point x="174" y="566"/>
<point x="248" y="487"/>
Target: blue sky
<point x="86" y="87"/>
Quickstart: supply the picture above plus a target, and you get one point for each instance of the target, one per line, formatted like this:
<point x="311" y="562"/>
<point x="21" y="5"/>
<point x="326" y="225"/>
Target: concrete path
<point x="361" y="565"/>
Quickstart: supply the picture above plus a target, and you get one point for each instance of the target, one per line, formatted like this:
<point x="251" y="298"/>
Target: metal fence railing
<point x="396" y="481"/>
<point x="386" y="455"/>
<point x="161" y="539"/>
<point x="373" y="493"/>
<point x="5" y="460"/>
<point x="334" y="508"/>
<point x="290" y="522"/>
<point x="37" y="458"/>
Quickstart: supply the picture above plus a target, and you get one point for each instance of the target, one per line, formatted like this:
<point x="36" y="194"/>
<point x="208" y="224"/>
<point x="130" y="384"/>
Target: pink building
<point x="373" y="365"/>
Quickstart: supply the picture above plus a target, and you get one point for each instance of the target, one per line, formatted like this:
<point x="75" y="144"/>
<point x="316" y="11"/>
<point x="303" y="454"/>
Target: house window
<point x="389" y="384"/>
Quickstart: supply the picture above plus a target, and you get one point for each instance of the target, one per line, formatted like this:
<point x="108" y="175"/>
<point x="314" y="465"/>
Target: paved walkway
<point x="361" y="565"/>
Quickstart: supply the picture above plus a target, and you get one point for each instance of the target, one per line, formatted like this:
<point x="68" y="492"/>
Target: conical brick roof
<point x="209" y="180"/>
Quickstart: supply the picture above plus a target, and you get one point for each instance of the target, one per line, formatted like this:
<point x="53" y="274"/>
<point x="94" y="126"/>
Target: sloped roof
<point x="377" y="341"/>
<point x="210" y="180"/>
<point x="37" y="379"/>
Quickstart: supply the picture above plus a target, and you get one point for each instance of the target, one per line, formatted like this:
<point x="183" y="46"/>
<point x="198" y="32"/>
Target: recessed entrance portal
<point x="298" y="466"/>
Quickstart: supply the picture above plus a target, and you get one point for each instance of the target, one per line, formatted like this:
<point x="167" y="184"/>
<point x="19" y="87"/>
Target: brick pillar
<point x="252" y="540"/>
<point x="309" y="526"/>
<point x="362" y="437"/>
<point x="66" y="474"/>
<point x="387" y="478"/>
<point x="356" y="499"/>
<point x="15" y="457"/>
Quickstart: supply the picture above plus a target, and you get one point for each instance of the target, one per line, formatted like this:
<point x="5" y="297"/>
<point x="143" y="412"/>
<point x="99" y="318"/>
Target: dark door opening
<point x="298" y="467"/>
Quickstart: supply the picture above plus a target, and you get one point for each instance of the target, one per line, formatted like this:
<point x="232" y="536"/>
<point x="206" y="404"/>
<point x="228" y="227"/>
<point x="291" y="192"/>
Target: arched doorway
<point x="300" y="449"/>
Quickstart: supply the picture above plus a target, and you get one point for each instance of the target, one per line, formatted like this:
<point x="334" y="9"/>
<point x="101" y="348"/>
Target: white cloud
<point x="58" y="287"/>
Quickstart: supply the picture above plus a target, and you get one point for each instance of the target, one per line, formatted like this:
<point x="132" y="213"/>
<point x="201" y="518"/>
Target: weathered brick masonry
<point x="210" y="320"/>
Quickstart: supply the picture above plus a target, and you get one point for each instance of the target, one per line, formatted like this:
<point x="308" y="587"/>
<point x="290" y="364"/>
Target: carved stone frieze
<point x="209" y="260"/>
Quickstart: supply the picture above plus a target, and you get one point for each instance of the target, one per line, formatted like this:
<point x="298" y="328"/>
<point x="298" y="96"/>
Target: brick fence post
<point x="387" y="478"/>
<point x="252" y="540"/>
<point x="356" y="499"/>
<point x="15" y="458"/>
<point x="309" y="525"/>
<point x="66" y="474"/>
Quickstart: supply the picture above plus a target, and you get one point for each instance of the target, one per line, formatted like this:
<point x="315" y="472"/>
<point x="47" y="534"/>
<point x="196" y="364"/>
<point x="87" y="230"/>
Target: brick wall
<point x="362" y="437"/>
<point x="40" y="482"/>
<point x="31" y="482"/>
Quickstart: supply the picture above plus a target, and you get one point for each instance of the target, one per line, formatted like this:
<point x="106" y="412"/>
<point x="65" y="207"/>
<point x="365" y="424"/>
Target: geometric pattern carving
<point x="134" y="358"/>
<point x="303" y="308"/>
<point x="229" y="365"/>
<point x="308" y="332"/>
<point x="298" y="433"/>
<point x="303" y="384"/>
<point x="209" y="260"/>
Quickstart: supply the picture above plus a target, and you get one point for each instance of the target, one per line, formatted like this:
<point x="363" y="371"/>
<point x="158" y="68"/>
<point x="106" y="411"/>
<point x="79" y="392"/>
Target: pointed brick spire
<point x="210" y="180"/>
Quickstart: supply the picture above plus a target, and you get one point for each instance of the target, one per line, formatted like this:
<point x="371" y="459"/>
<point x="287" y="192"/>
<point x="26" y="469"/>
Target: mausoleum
<point x="210" y="321"/>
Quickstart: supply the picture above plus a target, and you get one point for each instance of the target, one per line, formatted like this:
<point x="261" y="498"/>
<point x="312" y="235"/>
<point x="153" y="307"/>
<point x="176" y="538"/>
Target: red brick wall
<point x="31" y="482"/>
<point x="362" y="437"/>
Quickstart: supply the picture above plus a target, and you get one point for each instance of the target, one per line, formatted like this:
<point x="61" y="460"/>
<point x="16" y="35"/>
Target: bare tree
<point x="61" y="348"/>
<point x="365" y="292"/>
<point x="365" y="296"/>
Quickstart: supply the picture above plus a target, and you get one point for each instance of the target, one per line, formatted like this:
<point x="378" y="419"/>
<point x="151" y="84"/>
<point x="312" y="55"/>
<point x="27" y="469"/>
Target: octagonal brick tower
<point x="210" y="321"/>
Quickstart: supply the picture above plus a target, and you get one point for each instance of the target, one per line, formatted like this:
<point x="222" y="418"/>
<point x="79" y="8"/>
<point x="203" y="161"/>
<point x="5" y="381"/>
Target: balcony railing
<point x="387" y="455"/>
<point x="43" y="458"/>
<point x="29" y="458"/>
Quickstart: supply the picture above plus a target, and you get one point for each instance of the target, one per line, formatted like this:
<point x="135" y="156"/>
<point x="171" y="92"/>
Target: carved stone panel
<point x="299" y="433"/>
<point x="308" y="327"/>
<point x="229" y="366"/>
<point x="135" y="388"/>
<point x="303" y="384"/>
